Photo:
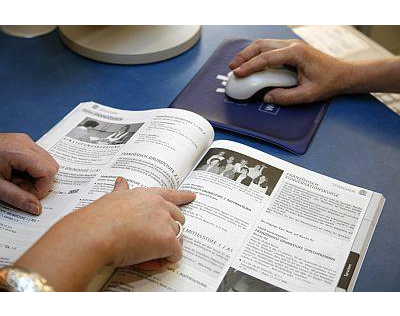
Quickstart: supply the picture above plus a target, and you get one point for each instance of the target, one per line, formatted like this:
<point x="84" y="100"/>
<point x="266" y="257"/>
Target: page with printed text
<point x="93" y="145"/>
<point x="258" y="224"/>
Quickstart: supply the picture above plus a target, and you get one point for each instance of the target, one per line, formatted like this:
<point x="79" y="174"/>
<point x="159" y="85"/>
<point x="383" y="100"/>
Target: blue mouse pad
<point x="289" y="127"/>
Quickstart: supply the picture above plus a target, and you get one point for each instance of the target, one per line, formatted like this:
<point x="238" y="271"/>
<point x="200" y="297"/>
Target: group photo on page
<point x="242" y="169"/>
<point x="199" y="158"/>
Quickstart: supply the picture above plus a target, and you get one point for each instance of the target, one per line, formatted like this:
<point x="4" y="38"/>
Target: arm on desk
<point x="320" y="75"/>
<point x="375" y="76"/>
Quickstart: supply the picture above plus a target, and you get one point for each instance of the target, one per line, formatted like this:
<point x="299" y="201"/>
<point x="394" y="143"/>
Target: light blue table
<point x="358" y="141"/>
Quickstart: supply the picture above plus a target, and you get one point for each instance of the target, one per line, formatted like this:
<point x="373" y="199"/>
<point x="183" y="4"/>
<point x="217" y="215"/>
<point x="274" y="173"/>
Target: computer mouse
<point x="259" y="83"/>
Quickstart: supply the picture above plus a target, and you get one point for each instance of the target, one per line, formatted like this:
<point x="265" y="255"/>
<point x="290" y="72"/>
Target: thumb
<point x="121" y="184"/>
<point x="290" y="96"/>
<point x="19" y="198"/>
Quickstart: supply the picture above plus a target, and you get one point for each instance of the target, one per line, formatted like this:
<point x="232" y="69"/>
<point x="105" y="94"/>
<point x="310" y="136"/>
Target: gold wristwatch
<point x="13" y="279"/>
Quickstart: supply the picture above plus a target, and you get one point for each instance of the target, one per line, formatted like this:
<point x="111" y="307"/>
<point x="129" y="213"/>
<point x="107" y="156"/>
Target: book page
<point x="257" y="224"/>
<point x="303" y="235"/>
<point x="151" y="148"/>
<point x="216" y="224"/>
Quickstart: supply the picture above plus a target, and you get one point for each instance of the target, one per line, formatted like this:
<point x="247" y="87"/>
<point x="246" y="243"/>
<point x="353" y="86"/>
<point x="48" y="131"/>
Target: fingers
<point x="172" y="248"/>
<point x="121" y="184"/>
<point x="158" y="264"/>
<point x="154" y="215"/>
<point x="245" y="55"/>
<point x="19" y="198"/>
<point x="42" y="171"/>
<point x="175" y="213"/>
<point x="177" y="197"/>
<point x="277" y="57"/>
<point x="297" y="95"/>
<point x="45" y="155"/>
<point x="27" y="174"/>
<point x="25" y="185"/>
<point x="172" y="199"/>
<point x="42" y="186"/>
<point x="255" y="49"/>
<point x="25" y="142"/>
<point x="176" y="251"/>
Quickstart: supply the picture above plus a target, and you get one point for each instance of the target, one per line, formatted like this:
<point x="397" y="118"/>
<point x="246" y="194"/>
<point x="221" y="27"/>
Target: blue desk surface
<point x="358" y="141"/>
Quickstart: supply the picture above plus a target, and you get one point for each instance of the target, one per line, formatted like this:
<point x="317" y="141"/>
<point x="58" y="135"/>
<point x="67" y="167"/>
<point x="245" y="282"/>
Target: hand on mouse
<point x="320" y="76"/>
<point x="125" y="227"/>
<point x="26" y="172"/>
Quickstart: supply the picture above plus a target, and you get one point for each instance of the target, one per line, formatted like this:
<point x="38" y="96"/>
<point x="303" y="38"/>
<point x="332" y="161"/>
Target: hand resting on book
<point x="125" y="227"/>
<point x="26" y="172"/>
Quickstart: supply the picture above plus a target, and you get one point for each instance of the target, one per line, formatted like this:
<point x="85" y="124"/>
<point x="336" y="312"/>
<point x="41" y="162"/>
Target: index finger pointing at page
<point x="175" y="196"/>
<point x="121" y="184"/>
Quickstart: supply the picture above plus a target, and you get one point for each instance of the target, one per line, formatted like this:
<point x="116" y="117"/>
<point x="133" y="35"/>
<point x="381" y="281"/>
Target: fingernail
<point x="118" y="180"/>
<point x="33" y="208"/>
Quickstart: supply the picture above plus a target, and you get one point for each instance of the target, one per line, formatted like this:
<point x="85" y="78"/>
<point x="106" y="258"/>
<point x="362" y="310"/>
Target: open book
<point x="258" y="223"/>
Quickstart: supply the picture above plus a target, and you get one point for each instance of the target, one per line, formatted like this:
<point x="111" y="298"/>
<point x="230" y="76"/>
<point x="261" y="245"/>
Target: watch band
<point x="14" y="279"/>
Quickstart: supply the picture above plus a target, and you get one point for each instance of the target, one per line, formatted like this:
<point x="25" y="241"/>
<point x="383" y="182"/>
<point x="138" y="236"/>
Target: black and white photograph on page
<point x="103" y="133"/>
<point x="240" y="168"/>
<point x="238" y="281"/>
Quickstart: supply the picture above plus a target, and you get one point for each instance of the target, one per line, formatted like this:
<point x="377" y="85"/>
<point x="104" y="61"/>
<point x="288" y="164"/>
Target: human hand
<point x="125" y="227"/>
<point x="139" y="224"/>
<point x="320" y="76"/>
<point x="26" y="172"/>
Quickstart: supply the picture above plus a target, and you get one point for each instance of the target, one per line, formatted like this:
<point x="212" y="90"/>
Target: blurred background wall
<point x="386" y="35"/>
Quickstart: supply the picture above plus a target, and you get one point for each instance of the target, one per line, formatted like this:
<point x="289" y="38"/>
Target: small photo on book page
<point x="238" y="281"/>
<point x="241" y="168"/>
<point x="95" y="131"/>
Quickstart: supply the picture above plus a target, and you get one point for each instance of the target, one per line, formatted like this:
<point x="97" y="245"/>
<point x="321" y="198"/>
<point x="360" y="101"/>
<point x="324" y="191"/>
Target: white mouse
<point x="247" y="87"/>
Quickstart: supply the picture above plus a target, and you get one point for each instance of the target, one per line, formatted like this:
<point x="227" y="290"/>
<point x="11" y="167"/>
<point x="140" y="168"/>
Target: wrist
<point x="99" y="237"/>
<point x="369" y="76"/>
<point x="347" y="79"/>
<point x="75" y="250"/>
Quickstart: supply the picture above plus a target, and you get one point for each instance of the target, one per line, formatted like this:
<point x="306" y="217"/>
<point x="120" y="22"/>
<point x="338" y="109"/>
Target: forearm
<point x="123" y="228"/>
<point x="67" y="258"/>
<point x="374" y="76"/>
